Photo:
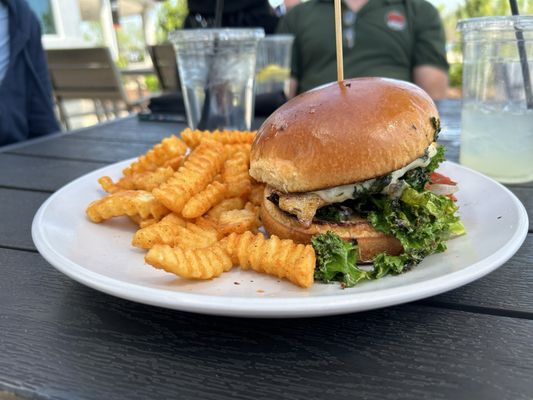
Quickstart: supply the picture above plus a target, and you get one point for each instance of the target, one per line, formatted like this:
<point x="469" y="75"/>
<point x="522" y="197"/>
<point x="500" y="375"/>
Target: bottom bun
<point x="370" y="242"/>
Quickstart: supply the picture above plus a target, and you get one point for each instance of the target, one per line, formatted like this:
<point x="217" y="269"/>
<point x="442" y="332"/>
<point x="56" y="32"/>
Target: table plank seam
<point x="125" y="141"/>
<point x="16" y="153"/>
<point x="478" y="309"/>
<point x="18" y="248"/>
<point x="24" y="189"/>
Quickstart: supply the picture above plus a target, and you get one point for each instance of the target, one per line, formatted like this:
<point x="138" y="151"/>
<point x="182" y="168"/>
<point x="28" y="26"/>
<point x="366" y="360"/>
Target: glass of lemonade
<point x="496" y="123"/>
<point x="217" y="71"/>
<point x="273" y="68"/>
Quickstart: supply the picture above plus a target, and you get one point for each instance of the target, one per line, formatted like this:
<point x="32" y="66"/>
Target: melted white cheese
<point x="339" y="194"/>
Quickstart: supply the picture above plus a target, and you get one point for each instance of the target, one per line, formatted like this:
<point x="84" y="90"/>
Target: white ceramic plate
<point x="101" y="256"/>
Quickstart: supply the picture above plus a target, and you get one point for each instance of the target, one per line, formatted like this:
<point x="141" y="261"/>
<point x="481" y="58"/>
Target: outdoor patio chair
<point x="165" y="66"/>
<point x="88" y="73"/>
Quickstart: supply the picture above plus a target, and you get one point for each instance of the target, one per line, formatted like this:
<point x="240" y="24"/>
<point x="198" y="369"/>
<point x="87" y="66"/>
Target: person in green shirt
<point x="402" y="39"/>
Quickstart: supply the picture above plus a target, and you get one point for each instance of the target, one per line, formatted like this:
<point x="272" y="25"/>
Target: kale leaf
<point x="437" y="159"/>
<point x="336" y="260"/>
<point x="416" y="178"/>
<point x="330" y="213"/>
<point x="421" y="221"/>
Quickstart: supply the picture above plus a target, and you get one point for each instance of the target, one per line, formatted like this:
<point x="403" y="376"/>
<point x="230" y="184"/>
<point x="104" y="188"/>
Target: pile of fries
<point x="197" y="209"/>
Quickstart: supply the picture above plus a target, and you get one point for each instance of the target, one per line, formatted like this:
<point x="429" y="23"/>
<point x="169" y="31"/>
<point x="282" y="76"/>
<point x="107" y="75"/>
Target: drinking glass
<point x="274" y="64"/>
<point x="496" y="119"/>
<point x="217" y="71"/>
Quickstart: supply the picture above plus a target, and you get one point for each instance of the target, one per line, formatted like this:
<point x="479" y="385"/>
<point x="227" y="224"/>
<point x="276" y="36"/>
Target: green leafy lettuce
<point x="421" y="221"/>
<point x="418" y="177"/>
<point x="436" y="159"/>
<point x="336" y="260"/>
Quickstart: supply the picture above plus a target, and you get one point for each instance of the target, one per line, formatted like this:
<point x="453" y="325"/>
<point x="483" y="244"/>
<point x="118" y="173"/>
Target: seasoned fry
<point x="175" y="163"/>
<point x="146" y="180"/>
<point x="231" y="149"/>
<point x="237" y="221"/>
<point x="257" y="193"/>
<point x="126" y="202"/>
<point x="206" y="223"/>
<point x="201" y="202"/>
<point x="202" y="165"/>
<point x="234" y="203"/>
<point x="205" y="263"/>
<point x="236" y="174"/>
<point x="194" y="137"/>
<point x="194" y="236"/>
<point x="168" y="149"/>
<point x="163" y="232"/>
<point x="281" y="258"/>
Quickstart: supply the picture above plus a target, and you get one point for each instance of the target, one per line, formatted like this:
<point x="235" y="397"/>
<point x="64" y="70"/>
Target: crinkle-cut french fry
<point x="194" y="137"/>
<point x="281" y="258"/>
<point x="257" y="193"/>
<point x="163" y="232"/>
<point x="237" y="221"/>
<point x="167" y="149"/>
<point x="147" y="222"/>
<point x="194" y="236"/>
<point x="202" y="165"/>
<point x="233" y="203"/>
<point x="175" y="231"/>
<point x="204" y="263"/>
<point x="146" y="180"/>
<point x="231" y="149"/>
<point x="126" y="202"/>
<point x="236" y="174"/>
<point x="209" y="224"/>
<point x="108" y="185"/>
<point x="201" y="202"/>
<point x="175" y="163"/>
<point x="256" y="210"/>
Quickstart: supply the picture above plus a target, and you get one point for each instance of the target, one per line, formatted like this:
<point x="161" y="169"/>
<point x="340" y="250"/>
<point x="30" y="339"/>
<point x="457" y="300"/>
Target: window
<point x="45" y="14"/>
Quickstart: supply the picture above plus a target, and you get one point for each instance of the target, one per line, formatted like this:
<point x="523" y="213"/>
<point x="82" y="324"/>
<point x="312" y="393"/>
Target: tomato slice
<point x="435" y="177"/>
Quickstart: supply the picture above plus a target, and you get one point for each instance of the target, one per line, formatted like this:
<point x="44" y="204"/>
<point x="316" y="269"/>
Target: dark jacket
<point x="26" y="108"/>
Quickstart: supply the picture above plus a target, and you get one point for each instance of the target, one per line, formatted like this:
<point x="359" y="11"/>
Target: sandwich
<point x="350" y="167"/>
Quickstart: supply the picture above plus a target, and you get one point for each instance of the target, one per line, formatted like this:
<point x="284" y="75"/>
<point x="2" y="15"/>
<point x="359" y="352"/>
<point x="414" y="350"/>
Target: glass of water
<point x="217" y="69"/>
<point x="496" y="120"/>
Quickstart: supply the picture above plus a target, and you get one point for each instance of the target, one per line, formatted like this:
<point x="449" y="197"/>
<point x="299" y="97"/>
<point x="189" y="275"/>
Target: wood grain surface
<point x="62" y="340"/>
<point x="66" y="341"/>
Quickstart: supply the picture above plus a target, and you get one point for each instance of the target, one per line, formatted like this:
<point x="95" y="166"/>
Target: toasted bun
<point x="342" y="133"/>
<point x="370" y="242"/>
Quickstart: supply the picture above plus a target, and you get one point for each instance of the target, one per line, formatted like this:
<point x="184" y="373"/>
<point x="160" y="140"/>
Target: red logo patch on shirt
<point x="395" y="20"/>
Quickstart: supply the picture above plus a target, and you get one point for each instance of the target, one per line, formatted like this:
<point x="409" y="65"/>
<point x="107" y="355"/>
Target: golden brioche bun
<point x="370" y="242"/>
<point x="342" y="133"/>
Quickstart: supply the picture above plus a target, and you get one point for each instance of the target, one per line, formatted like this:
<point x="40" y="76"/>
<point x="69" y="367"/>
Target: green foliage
<point x="92" y="32"/>
<point x="152" y="83"/>
<point x="170" y="16"/>
<point x="456" y="75"/>
<point x="471" y="9"/>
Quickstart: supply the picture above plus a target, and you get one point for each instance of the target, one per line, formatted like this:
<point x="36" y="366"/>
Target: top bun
<point x="342" y="133"/>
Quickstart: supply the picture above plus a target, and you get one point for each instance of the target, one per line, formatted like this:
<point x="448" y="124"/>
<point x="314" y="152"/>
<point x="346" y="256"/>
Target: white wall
<point x="67" y="19"/>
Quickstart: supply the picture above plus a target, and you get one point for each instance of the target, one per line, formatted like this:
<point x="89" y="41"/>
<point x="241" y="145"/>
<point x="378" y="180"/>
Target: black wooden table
<point x="62" y="340"/>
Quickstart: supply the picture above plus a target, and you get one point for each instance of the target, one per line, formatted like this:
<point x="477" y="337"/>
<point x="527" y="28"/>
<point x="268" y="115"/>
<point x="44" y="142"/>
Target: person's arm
<point x="432" y="79"/>
<point x="430" y="67"/>
<point x="41" y="117"/>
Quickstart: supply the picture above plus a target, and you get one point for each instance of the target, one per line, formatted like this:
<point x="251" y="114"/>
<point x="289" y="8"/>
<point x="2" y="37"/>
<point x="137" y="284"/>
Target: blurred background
<point x="128" y="27"/>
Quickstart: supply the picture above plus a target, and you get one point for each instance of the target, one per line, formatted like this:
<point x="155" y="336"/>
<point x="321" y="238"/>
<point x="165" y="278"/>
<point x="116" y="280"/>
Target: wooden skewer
<point x="338" y="40"/>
